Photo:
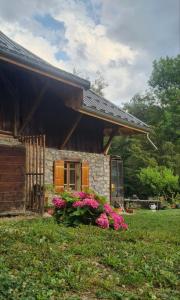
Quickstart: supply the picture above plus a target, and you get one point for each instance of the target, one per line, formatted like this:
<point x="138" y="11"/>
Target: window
<point x="71" y="175"/>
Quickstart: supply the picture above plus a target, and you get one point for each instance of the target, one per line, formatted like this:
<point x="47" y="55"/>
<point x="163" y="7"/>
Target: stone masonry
<point x="99" y="165"/>
<point x="99" y="168"/>
<point x="8" y="140"/>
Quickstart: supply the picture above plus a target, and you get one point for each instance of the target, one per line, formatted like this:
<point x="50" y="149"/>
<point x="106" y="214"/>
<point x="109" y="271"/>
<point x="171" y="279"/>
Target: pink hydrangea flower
<point x="124" y="226"/>
<point x="103" y="221"/>
<point x="80" y="195"/>
<point x="118" y="221"/>
<point x="58" y="202"/>
<point x="78" y="204"/>
<point x="117" y="218"/>
<point x="116" y="226"/>
<point x="108" y="209"/>
<point x="86" y="202"/>
<point x="91" y="202"/>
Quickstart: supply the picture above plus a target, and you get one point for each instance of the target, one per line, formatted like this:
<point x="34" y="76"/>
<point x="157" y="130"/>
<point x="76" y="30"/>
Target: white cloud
<point x="90" y="50"/>
<point x="36" y="44"/>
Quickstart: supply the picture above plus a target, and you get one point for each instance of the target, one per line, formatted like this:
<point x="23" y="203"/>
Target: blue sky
<point x="49" y="22"/>
<point x="116" y="37"/>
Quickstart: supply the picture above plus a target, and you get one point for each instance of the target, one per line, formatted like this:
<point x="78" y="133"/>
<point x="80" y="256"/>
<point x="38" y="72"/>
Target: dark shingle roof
<point x="91" y="102"/>
<point x="12" y="50"/>
<point x="95" y="103"/>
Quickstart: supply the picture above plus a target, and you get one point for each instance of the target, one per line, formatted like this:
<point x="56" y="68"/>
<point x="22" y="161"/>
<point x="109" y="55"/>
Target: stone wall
<point x="99" y="165"/>
<point x="8" y="140"/>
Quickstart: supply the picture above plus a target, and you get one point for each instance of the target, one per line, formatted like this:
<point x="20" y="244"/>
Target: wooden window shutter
<point x="59" y="175"/>
<point x="85" y="175"/>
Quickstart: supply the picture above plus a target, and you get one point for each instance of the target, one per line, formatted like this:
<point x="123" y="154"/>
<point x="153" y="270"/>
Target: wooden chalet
<point x="52" y="129"/>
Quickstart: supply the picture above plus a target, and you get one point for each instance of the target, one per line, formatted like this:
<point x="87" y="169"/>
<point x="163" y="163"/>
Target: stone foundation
<point x="9" y="140"/>
<point x="99" y="168"/>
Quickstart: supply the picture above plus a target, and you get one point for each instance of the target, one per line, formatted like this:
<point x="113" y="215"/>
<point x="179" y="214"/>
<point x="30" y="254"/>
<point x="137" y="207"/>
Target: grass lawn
<point x="41" y="260"/>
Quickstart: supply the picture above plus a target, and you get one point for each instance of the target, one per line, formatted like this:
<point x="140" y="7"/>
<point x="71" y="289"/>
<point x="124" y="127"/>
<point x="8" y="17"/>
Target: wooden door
<point x="12" y="178"/>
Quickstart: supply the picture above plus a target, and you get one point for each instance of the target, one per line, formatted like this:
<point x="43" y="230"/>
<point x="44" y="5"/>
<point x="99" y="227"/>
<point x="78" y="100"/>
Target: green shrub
<point x="159" y="181"/>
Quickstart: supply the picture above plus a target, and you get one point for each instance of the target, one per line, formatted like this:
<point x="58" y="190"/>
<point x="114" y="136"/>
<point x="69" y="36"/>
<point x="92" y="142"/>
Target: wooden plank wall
<point x="12" y="178"/>
<point x="19" y="91"/>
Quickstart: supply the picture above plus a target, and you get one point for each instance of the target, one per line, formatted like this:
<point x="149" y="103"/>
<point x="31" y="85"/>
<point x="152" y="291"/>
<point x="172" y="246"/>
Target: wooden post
<point x="108" y="144"/>
<point x="70" y="132"/>
<point x="16" y="117"/>
<point x="33" y="109"/>
<point x="43" y="179"/>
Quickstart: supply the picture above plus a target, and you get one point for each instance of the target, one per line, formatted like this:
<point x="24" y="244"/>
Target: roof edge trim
<point x="42" y="71"/>
<point x="113" y="120"/>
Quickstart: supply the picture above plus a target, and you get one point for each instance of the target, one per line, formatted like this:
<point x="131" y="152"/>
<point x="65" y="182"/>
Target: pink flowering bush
<point x="118" y="221"/>
<point x="77" y="208"/>
<point x="103" y="221"/>
<point x="80" y="195"/>
<point x="58" y="202"/>
<point x="108" y="209"/>
<point x="86" y="202"/>
<point x="78" y="204"/>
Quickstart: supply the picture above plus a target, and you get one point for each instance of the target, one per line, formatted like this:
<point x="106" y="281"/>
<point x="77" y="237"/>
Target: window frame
<point x="67" y="178"/>
<point x="83" y="176"/>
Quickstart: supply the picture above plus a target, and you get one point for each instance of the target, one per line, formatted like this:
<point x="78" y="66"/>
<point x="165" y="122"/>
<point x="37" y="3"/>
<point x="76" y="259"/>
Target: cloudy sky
<point x="119" y="38"/>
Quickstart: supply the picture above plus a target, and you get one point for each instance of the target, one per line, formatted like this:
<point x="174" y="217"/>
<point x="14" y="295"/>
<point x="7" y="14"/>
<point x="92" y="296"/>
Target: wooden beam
<point x="70" y="132"/>
<point x="33" y="109"/>
<point x="108" y="144"/>
<point x="16" y="117"/>
<point x="4" y="132"/>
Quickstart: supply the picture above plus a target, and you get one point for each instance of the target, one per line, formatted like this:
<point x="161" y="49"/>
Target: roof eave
<point x="43" y="70"/>
<point x="114" y="120"/>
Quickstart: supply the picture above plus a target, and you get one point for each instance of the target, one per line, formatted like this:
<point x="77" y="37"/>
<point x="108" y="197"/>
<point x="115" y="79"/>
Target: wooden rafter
<point x="70" y="132"/>
<point x="108" y="144"/>
<point x="33" y="109"/>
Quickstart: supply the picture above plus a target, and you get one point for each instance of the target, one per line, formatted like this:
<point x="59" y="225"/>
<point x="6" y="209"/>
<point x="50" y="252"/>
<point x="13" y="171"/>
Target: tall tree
<point x="160" y="108"/>
<point x="165" y="84"/>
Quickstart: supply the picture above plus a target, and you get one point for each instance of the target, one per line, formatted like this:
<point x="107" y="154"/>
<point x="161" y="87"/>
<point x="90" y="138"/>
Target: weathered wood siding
<point x="12" y="178"/>
<point x="19" y="91"/>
